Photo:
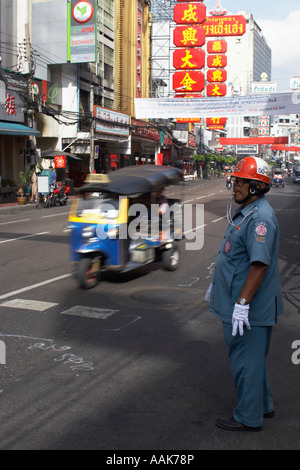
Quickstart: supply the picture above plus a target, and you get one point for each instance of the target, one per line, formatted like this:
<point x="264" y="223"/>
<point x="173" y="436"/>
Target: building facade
<point x="78" y="77"/>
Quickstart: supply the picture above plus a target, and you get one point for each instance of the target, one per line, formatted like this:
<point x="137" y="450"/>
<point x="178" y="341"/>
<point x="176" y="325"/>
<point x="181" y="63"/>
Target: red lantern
<point x="188" y="59"/>
<point x="219" y="46"/>
<point x="193" y="13"/>
<point x="216" y="89"/>
<point x="189" y="81"/>
<point x="189" y="36"/>
<point x="216" y="60"/>
<point x="216" y="75"/>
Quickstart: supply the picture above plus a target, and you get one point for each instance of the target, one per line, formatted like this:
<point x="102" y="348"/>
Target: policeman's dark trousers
<point x="247" y="357"/>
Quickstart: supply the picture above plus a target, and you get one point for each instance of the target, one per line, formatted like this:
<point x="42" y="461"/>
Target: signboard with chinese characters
<point x="189" y="81"/>
<point x="139" y="49"/>
<point x="216" y="89"/>
<point x="216" y="60"/>
<point x="193" y="58"/>
<point x="216" y="75"/>
<point x="191" y="13"/>
<point x="189" y="36"/>
<point x="216" y="26"/>
<point x="111" y="122"/>
<point x="82" y="31"/>
<point x="217" y="46"/>
<point x="11" y="104"/>
<point x="189" y="57"/>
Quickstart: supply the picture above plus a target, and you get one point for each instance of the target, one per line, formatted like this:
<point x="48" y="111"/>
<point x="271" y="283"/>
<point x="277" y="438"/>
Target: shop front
<point x="15" y="138"/>
<point x="146" y="142"/>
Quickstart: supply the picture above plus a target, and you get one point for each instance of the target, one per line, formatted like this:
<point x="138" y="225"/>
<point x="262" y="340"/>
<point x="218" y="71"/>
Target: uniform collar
<point x="249" y="208"/>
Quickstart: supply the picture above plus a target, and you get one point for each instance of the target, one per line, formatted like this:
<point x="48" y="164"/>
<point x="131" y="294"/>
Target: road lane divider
<point x="14" y="221"/>
<point x="25" y="236"/>
<point x="34" y="286"/>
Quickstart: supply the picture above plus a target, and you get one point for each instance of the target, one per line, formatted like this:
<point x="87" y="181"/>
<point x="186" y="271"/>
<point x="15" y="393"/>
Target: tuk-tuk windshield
<point x="99" y="204"/>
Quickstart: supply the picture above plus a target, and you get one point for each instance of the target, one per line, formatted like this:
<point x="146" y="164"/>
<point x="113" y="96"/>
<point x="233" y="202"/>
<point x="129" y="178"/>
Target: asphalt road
<point x="137" y="363"/>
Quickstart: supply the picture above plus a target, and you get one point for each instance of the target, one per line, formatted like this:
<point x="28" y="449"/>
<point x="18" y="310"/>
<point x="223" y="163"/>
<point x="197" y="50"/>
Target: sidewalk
<point x="11" y="206"/>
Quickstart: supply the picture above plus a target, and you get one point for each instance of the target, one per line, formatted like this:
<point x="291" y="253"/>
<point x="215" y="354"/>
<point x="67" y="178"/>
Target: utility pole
<point x="92" y="143"/>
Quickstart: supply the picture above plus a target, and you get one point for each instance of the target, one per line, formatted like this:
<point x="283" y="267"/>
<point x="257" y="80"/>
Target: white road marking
<point x="220" y="218"/>
<point x="90" y="312"/>
<point x="25" y="304"/>
<point x="207" y="195"/>
<point x="195" y="228"/>
<point x="191" y="283"/>
<point x="54" y="215"/>
<point x="34" y="286"/>
<point x="25" y="236"/>
<point x="14" y="221"/>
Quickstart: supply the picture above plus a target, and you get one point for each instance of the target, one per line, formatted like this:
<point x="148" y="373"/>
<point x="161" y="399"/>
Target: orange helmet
<point x="253" y="168"/>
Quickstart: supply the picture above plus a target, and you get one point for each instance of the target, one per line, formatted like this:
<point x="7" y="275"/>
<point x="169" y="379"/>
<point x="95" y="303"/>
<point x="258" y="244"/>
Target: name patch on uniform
<point x="261" y="232"/>
<point x="227" y="246"/>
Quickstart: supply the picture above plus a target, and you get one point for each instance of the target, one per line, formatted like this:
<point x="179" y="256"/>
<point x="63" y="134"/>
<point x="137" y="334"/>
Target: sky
<point x="280" y="24"/>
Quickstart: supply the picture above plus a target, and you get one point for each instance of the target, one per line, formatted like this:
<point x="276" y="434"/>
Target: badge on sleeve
<point x="261" y="232"/>
<point x="227" y="246"/>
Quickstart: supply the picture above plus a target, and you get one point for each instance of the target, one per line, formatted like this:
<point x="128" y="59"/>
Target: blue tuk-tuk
<point x="116" y="223"/>
<point x="277" y="178"/>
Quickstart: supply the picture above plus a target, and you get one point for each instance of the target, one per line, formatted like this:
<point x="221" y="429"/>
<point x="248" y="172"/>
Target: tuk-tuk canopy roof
<point x="133" y="180"/>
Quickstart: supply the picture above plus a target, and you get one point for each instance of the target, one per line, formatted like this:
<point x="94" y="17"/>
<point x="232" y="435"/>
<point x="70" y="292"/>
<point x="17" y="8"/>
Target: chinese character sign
<point x="191" y="13"/>
<point x="10" y="105"/>
<point x="189" y="36"/>
<point x="189" y="58"/>
<point x="188" y="81"/>
<point x="216" y="75"/>
<point x="216" y="63"/>
<point x="217" y="46"/>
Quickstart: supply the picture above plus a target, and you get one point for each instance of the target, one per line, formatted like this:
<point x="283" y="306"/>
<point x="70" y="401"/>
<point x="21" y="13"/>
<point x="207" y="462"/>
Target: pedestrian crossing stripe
<point x="36" y="305"/>
<point x="90" y="312"/>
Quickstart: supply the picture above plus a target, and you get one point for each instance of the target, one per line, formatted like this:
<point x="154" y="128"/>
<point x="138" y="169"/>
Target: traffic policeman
<point x="246" y="293"/>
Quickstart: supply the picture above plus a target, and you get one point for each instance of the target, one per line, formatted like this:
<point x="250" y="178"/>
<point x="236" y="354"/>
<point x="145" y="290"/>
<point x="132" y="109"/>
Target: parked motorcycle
<point x="57" y="197"/>
<point x="49" y="201"/>
<point x="61" y="196"/>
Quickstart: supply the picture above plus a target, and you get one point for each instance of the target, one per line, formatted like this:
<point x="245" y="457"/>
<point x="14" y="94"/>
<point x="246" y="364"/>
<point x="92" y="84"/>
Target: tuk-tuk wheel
<point x="88" y="274"/>
<point x="170" y="258"/>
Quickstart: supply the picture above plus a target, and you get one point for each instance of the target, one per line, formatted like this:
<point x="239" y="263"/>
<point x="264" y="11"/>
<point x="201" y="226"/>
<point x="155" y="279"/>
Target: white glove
<point x="240" y="318"/>
<point x="207" y="295"/>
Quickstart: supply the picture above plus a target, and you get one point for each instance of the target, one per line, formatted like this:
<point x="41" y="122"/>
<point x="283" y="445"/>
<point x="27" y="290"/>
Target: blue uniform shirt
<point x="256" y="240"/>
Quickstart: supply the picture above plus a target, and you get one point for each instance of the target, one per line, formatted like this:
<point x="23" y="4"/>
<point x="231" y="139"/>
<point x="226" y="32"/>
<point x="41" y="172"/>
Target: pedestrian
<point x="53" y="176"/>
<point x="34" y="186"/>
<point x="246" y="293"/>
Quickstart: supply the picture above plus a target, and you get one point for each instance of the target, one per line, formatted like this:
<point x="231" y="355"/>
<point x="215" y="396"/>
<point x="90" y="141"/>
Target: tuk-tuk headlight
<point x="88" y="232"/>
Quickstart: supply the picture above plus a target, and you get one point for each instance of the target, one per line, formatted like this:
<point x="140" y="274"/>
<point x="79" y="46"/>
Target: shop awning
<point x="12" y="128"/>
